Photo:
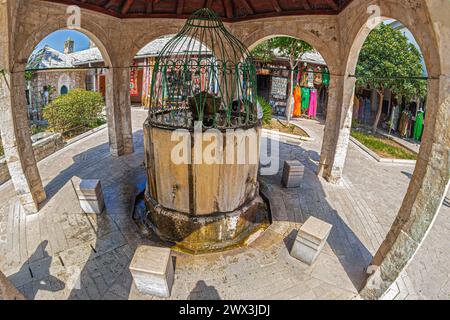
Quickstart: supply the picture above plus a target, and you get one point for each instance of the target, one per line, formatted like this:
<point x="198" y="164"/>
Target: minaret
<point x="69" y="46"/>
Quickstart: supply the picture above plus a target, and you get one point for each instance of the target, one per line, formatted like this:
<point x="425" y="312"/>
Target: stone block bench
<point x="293" y="173"/>
<point x="152" y="271"/>
<point x="310" y="240"/>
<point x="90" y="195"/>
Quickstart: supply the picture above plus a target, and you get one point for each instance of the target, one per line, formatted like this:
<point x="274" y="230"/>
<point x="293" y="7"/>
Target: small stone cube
<point x="293" y="173"/>
<point x="90" y="195"/>
<point x="152" y="271"/>
<point x="310" y="240"/>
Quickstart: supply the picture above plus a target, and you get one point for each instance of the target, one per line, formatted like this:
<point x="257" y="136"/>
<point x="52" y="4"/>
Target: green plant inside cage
<point x="204" y="74"/>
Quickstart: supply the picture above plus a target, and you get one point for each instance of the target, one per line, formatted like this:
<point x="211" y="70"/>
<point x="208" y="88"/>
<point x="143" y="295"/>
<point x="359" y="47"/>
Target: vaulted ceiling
<point x="229" y="10"/>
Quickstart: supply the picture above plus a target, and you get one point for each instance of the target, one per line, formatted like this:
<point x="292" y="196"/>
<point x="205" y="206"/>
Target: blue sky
<point x="56" y="40"/>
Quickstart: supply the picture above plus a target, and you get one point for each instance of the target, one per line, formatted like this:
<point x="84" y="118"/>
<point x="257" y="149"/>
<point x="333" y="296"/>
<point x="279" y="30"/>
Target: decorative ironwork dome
<point x="204" y="74"/>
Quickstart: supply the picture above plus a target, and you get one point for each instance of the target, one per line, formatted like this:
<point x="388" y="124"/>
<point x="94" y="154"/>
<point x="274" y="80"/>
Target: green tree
<point x="264" y="52"/>
<point x="288" y="47"/>
<point x="78" y="108"/>
<point x="388" y="61"/>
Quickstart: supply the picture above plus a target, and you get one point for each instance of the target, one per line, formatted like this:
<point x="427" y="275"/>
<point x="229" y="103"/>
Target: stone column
<point x="118" y="106"/>
<point x="337" y="128"/>
<point x="424" y="197"/>
<point x="14" y="127"/>
<point x="17" y="143"/>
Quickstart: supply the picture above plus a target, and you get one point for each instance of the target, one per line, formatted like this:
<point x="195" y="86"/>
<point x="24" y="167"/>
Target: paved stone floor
<point x="62" y="253"/>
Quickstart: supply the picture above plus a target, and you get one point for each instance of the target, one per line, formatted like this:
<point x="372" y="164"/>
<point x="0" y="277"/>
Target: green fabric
<point x="418" y="126"/>
<point x="326" y="78"/>
<point x="305" y="98"/>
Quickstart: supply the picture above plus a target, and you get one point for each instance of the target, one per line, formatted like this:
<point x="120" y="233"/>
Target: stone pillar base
<point x="201" y="234"/>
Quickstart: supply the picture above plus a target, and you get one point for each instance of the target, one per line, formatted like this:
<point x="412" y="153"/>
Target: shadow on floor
<point x="446" y="202"/>
<point x="311" y="200"/>
<point x="409" y="175"/>
<point x="204" y="292"/>
<point x="102" y="271"/>
<point x="38" y="267"/>
<point x="89" y="165"/>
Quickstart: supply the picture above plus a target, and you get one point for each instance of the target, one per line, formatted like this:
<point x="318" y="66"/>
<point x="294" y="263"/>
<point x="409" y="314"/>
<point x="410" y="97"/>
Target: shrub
<point x="2" y="152"/>
<point x="78" y="108"/>
<point x="267" y="110"/>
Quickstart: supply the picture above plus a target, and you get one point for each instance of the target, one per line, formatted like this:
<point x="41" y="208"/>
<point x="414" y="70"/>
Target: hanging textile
<point x="147" y="83"/>
<point x="355" y="108"/>
<point x="367" y="110"/>
<point x="134" y="91"/>
<point x="297" y="101"/>
<point x="305" y="99"/>
<point x="361" y="109"/>
<point x="404" y="124"/>
<point x="310" y="78"/>
<point x="299" y="75"/>
<point x="326" y="78"/>
<point x="410" y="126"/>
<point x="304" y="77"/>
<point x="418" y="127"/>
<point x="318" y="76"/>
<point x="312" y="110"/>
<point x="395" y="118"/>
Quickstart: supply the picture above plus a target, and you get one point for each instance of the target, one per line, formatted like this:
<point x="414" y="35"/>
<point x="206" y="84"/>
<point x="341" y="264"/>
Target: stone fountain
<point x="202" y="141"/>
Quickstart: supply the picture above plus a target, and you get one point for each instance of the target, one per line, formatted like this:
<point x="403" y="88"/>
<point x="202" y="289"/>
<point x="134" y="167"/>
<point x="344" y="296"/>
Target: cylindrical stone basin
<point x="199" y="206"/>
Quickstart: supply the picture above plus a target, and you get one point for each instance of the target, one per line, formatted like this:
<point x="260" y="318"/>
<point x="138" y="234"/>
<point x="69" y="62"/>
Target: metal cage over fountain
<point x="204" y="74"/>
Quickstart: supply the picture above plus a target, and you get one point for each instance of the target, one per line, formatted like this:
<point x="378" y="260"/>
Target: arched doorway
<point x="418" y="211"/>
<point x="64" y="90"/>
<point x="63" y="61"/>
<point x="293" y="77"/>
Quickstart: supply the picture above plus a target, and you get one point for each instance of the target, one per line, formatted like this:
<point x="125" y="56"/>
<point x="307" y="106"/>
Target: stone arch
<point x="39" y="35"/>
<point x="146" y="38"/>
<point x="260" y="36"/>
<point x="405" y="12"/>
<point x="430" y="181"/>
<point x="98" y="29"/>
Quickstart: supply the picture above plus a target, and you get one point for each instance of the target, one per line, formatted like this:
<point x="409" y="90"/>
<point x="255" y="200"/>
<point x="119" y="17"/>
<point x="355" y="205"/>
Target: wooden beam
<point x="126" y="6"/>
<point x="228" y="8"/>
<point x="276" y="6"/>
<point x="332" y="4"/>
<point x="149" y="8"/>
<point x="246" y="6"/>
<point x="180" y="6"/>
<point x="306" y="4"/>
<point x="109" y="4"/>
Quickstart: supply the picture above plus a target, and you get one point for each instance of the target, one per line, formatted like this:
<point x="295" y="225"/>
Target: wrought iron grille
<point x="204" y="74"/>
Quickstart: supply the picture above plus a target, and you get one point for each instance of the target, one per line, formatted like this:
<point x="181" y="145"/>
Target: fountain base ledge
<point x="203" y="234"/>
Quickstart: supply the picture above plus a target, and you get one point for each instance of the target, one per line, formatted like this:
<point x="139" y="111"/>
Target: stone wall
<point x="72" y="79"/>
<point x="43" y="147"/>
